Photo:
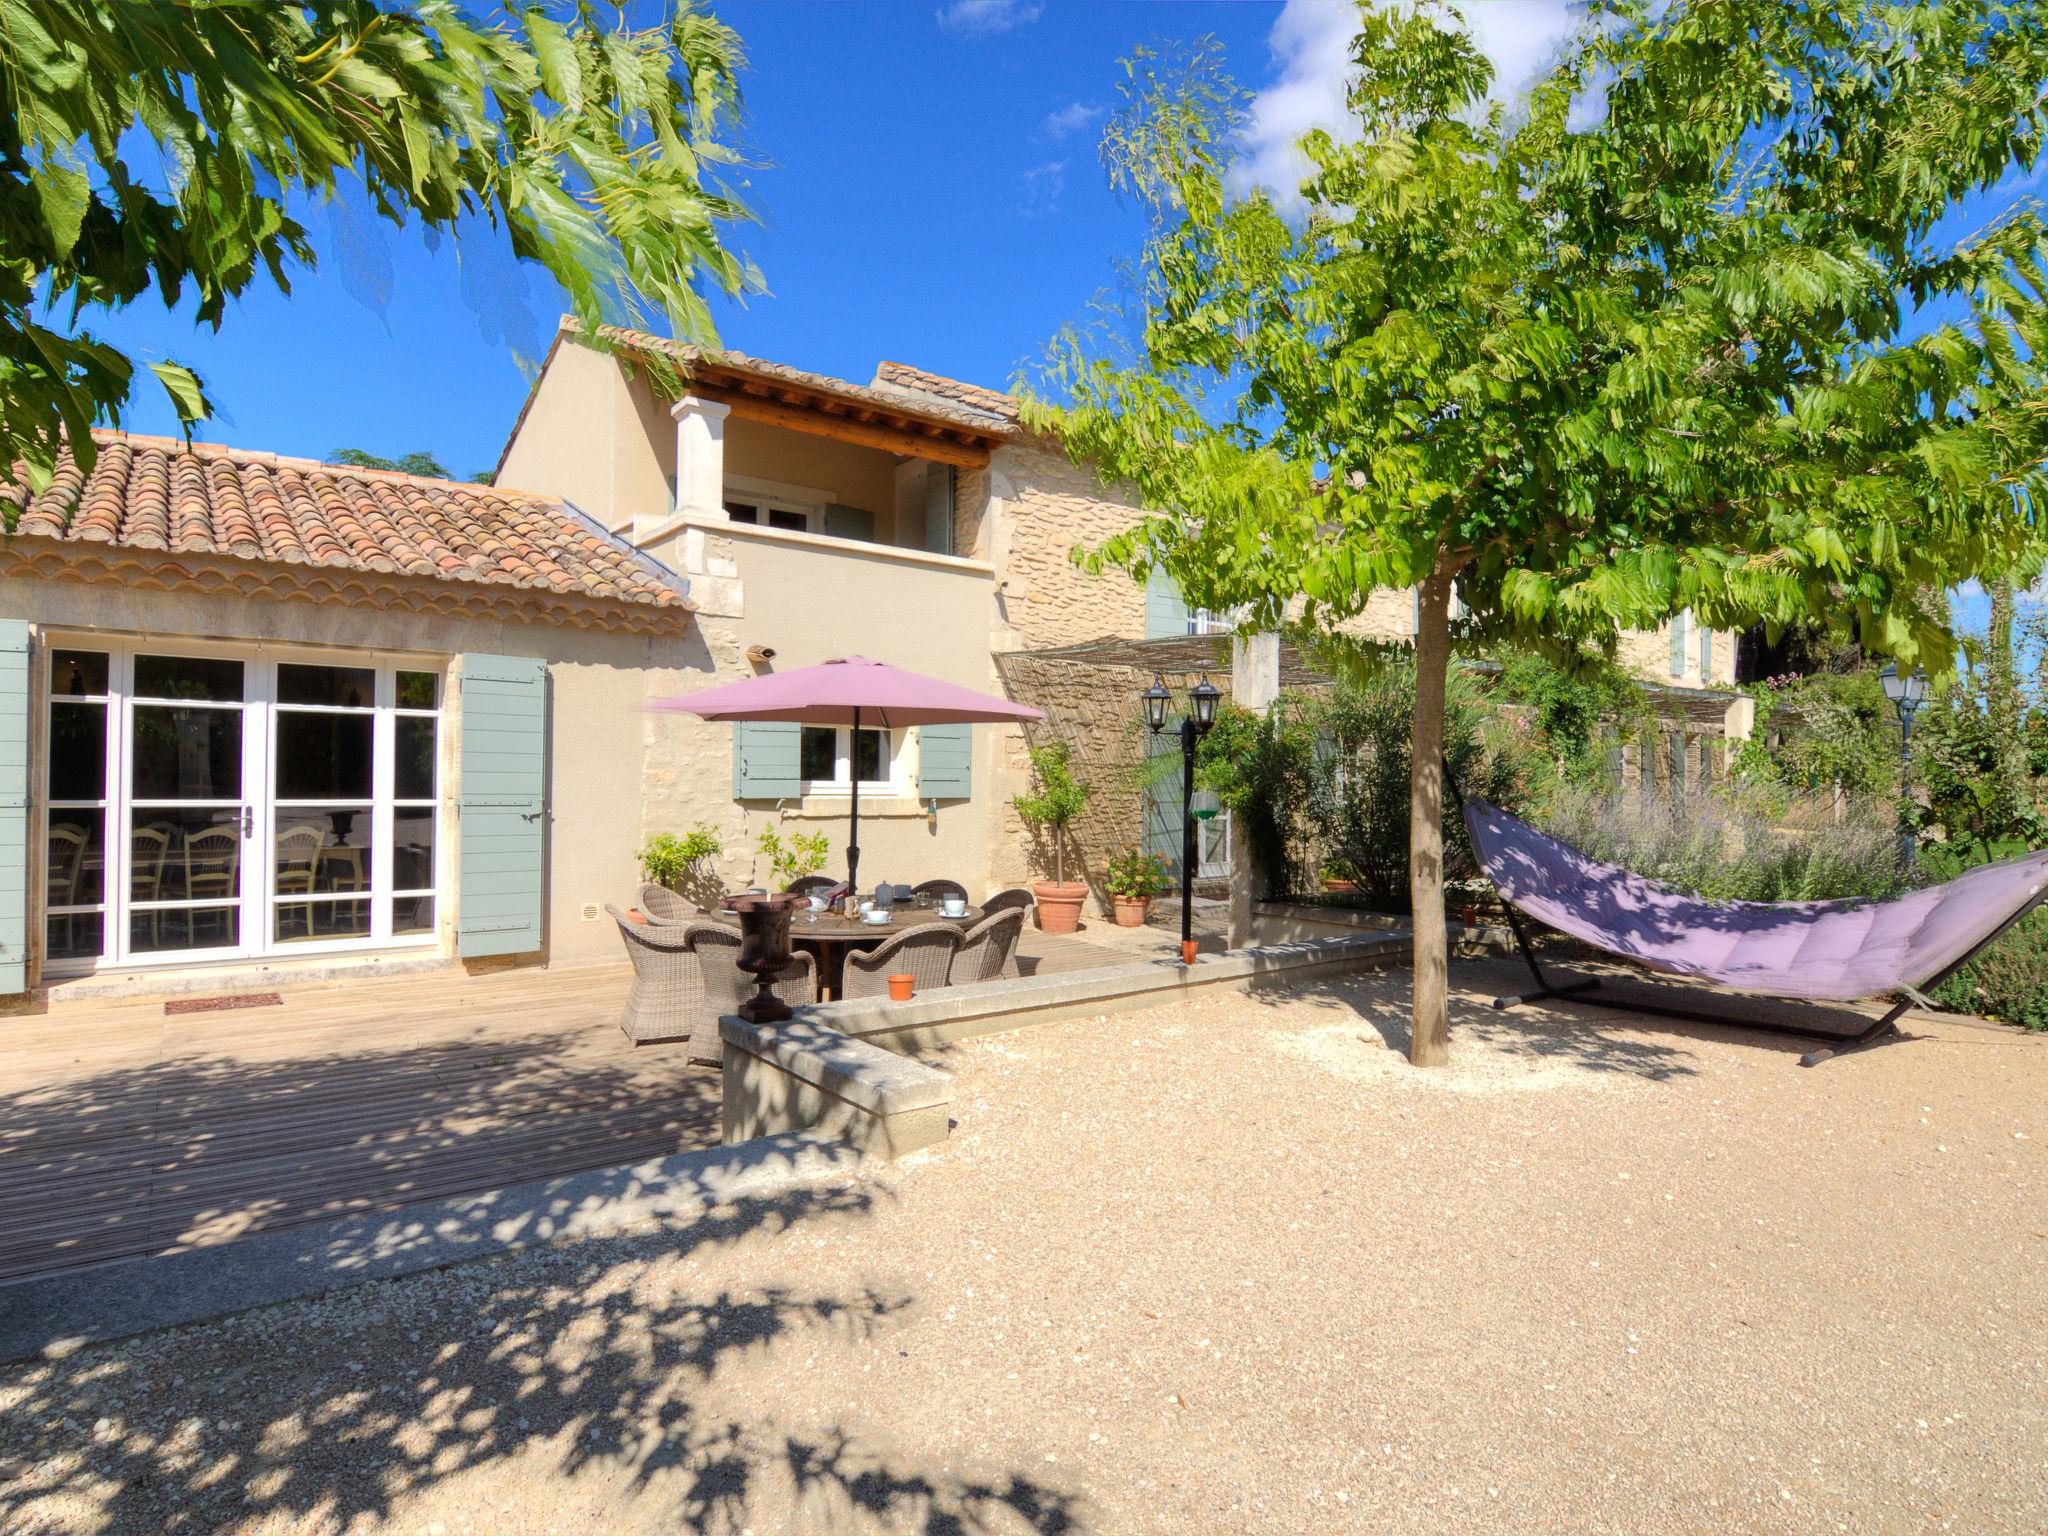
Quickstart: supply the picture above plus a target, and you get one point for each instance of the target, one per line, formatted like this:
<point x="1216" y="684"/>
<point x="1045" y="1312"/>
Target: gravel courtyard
<point x="1234" y="1268"/>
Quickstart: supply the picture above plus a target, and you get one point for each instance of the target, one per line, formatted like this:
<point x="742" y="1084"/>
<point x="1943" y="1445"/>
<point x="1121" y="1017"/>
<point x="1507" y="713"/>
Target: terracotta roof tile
<point x="901" y="378"/>
<point x="163" y="494"/>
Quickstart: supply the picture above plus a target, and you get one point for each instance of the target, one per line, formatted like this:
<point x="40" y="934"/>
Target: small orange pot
<point x="1130" y="911"/>
<point x="901" y="986"/>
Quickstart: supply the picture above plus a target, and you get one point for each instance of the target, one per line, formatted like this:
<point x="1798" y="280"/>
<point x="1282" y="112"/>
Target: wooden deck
<point x="125" y="1132"/>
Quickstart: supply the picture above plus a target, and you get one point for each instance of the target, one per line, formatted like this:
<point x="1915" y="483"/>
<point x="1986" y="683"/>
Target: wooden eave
<point x="822" y="413"/>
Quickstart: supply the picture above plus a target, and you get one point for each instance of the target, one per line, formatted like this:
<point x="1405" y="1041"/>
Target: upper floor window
<point x="764" y="513"/>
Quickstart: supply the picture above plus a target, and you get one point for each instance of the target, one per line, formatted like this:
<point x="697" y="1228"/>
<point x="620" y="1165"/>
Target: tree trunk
<point x="2003" y="705"/>
<point x="1429" y="1043"/>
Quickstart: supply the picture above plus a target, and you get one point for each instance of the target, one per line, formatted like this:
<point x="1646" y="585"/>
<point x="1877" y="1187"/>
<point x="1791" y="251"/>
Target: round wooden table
<point x="834" y="934"/>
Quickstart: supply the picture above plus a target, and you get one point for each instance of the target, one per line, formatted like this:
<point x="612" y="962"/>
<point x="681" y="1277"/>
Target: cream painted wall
<point x="848" y="473"/>
<point x="810" y="599"/>
<point x="570" y="442"/>
<point x="599" y="682"/>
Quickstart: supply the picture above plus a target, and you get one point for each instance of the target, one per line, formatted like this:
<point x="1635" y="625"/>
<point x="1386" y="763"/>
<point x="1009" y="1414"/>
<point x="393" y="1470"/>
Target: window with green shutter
<point x="767" y="760"/>
<point x="502" y="805"/>
<point x="14" y="727"/>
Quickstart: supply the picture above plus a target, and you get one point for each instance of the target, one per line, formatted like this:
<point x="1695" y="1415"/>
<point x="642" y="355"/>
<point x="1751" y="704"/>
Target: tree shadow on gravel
<point x="590" y="1370"/>
<point x="1558" y="1034"/>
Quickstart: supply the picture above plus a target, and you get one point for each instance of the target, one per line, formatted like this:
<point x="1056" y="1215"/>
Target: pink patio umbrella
<point x="851" y="691"/>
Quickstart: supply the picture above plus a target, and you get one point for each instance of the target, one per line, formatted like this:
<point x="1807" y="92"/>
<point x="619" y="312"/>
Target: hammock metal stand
<point x="1580" y="989"/>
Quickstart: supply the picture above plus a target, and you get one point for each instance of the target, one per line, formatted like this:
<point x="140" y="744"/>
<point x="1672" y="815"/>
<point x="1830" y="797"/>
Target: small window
<point x="743" y="512"/>
<point x="201" y="679"/>
<point x="795" y="522"/>
<point x="336" y="687"/>
<point x="822" y="758"/>
<point x="79" y="674"/>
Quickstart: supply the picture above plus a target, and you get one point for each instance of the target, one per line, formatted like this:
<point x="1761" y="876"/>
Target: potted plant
<point x="1132" y="880"/>
<point x="680" y="862"/>
<point x="1338" y="878"/>
<point x="1056" y="800"/>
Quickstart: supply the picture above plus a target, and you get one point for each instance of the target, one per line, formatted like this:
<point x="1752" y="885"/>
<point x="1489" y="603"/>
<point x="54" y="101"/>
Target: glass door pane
<point x="323" y="812"/>
<point x="188" y="814"/>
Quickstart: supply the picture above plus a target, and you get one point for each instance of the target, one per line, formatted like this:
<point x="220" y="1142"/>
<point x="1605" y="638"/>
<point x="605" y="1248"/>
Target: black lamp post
<point x="1194" y="725"/>
<point x="1907" y="695"/>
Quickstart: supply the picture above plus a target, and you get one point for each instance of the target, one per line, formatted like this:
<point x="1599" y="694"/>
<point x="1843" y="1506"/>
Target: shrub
<point x="2010" y="979"/>
<point x="1134" y="875"/>
<point x="668" y="859"/>
<point x="1359" y="796"/>
<point x="793" y="857"/>
<point x="1732" y="845"/>
<point x="1261" y="766"/>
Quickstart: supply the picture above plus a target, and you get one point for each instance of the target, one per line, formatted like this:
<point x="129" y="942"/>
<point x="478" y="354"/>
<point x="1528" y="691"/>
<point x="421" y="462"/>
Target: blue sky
<point x="929" y="194"/>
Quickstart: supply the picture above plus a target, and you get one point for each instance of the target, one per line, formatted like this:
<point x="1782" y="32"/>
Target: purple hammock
<point x="1831" y="951"/>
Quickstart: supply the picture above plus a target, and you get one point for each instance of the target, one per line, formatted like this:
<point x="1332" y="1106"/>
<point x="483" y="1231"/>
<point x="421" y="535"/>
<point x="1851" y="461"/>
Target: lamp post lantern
<point x="1907" y="694"/>
<point x="1194" y="725"/>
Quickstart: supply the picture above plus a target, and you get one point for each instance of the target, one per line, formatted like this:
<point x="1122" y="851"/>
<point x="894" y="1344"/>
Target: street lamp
<point x="1907" y="695"/>
<point x="1194" y="725"/>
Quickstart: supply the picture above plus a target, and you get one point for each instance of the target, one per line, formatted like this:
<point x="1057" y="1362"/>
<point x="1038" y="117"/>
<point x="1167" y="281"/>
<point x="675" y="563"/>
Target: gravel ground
<point x="1230" y="1269"/>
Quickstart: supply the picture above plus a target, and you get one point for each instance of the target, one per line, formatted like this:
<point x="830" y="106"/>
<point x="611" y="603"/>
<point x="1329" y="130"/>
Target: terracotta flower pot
<point x="1130" y="911"/>
<point x="1469" y="915"/>
<point x="1059" y="904"/>
<point x="900" y="987"/>
<point x="1338" y="887"/>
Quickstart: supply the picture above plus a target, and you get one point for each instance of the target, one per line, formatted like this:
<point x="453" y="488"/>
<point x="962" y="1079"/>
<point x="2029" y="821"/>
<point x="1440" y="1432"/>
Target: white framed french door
<point x="213" y="803"/>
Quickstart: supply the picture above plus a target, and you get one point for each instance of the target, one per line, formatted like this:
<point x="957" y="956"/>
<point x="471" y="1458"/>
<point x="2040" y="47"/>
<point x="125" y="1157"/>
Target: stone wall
<point x="1040" y="505"/>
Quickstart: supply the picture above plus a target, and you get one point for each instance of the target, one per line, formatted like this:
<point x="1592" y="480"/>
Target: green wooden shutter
<point x="1706" y="654"/>
<point x="14" y="728"/>
<point x="945" y="762"/>
<point x="850" y="523"/>
<point x="1678" y="625"/>
<point x="1165" y="613"/>
<point x="502" y="805"/>
<point x="938" y="508"/>
<point x="766" y="761"/>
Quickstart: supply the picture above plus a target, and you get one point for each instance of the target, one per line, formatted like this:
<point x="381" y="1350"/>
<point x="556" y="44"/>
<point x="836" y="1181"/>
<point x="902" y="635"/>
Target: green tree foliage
<point x="419" y="463"/>
<point x="1056" y="799"/>
<point x="164" y="148"/>
<point x="1700" y="327"/>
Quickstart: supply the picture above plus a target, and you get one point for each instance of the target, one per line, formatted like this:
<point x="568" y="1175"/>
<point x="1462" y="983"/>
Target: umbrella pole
<point x="853" y="839"/>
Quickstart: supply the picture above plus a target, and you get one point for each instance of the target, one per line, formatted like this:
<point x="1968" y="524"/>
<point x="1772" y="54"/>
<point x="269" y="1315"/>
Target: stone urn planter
<point x="1130" y="911"/>
<point x="1059" y="904"/>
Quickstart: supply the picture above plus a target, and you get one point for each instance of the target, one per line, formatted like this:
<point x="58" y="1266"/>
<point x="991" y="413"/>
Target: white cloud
<point x="985" y="18"/>
<point x="1311" y="43"/>
<point x="1043" y="185"/>
<point x="1070" y="119"/>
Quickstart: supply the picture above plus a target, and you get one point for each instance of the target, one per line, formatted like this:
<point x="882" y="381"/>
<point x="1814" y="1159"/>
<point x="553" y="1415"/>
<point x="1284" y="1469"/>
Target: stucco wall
<point x="590" y="436"/>
<point x="810" y="599"/>
<point x="845" y="473"/>
<point x="598" y="685"/>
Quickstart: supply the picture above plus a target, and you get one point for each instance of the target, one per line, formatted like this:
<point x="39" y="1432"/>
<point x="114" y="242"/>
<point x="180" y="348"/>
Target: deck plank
<point x="126" y="1132"/>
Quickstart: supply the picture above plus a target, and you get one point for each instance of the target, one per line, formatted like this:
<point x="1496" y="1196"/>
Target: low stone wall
<point x="1293" y="922"/>
<point x="845" y="1070"/>
<point x="803" y="1073"/>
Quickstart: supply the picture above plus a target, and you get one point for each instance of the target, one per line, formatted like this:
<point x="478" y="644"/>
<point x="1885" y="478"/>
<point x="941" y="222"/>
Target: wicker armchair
<point x="685" y="975"/>
<point x="989" y="949"/>
<point x="806" y="884"/>
<point x="1015" y="896"/>
<point x="924" y="952"/>
<point x="665" y="906"/>
<point x="940" y="888"/>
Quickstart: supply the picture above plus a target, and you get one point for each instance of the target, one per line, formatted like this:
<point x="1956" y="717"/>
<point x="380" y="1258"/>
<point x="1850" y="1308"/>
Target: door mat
<point x="222" y="1004"/>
